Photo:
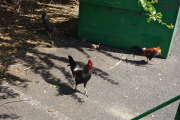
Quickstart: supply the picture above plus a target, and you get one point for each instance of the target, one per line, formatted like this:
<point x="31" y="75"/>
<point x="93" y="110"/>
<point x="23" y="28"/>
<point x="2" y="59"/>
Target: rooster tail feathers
<point x="136" y="48"/>
<point x="72" y="63"/>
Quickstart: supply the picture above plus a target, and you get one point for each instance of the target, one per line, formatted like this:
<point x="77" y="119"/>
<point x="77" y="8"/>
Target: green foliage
<point x="153" y="15"/>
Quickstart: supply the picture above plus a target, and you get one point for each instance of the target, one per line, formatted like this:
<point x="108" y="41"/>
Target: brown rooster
<point x="148" y="52"/>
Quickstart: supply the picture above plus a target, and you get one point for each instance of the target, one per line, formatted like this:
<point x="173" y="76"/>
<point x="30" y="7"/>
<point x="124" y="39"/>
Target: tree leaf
<point x="153" y="15"/>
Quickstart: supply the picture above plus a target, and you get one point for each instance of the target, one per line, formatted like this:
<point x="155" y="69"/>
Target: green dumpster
<point x="123" y="23"/>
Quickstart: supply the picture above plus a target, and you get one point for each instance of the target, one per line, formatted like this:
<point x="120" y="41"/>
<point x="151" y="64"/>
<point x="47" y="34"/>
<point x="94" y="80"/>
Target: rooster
<point x="50" y="28"/>
<point x="81" y="76"/>
<point x="148" y="52"/>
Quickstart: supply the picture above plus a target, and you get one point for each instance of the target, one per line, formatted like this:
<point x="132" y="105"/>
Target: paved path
<point x="118" y="90"/>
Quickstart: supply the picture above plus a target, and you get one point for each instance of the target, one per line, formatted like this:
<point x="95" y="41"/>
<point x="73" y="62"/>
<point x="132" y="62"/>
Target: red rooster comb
<point x="90" y="64"/>
<point x="59" y="31"/>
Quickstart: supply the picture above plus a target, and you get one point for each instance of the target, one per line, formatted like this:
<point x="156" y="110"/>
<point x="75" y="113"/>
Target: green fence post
<point x="157" y="108"/>
<point x="177" y="117"/>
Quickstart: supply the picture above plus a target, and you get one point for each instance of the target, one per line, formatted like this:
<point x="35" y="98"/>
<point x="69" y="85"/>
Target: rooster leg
<point x="52" y="44"/>
<point x="148" y="62"/>
<point x="133" y="55"/>
<point x="76" y="87"/>
<point x="49" y="34"/>
<point x="85" y="90"/>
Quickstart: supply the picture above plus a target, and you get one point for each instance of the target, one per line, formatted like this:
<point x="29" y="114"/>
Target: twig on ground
<point x="117" y="62"/>
<point x="12" y="102"/>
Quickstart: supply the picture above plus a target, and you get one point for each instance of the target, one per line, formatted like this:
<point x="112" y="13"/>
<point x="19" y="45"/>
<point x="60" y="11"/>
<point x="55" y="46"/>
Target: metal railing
<point x="159" y="107"/>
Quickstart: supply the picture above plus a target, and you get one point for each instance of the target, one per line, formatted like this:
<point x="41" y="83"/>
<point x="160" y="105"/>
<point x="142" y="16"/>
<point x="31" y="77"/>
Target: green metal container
<point x="123" y="23"/>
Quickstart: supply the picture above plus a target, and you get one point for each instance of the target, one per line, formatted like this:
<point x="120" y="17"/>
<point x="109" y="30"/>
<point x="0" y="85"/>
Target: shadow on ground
<point x="26" y="32"/>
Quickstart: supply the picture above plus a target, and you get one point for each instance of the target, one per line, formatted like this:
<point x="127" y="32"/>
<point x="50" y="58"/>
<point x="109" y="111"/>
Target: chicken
<point x="94" y="46"/>
<point x="81" y="76"/>
<point x="50" y="28"/>
<point x="148" y="52"/>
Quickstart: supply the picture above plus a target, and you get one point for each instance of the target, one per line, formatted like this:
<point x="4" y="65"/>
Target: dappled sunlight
<point x="19" y="26"/>
<point x="120" y="113"/>
<point x="50" y="67"/>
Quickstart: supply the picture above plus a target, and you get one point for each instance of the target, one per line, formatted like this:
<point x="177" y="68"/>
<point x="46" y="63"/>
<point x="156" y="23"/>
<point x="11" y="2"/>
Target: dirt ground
<point x="22" y="30"/>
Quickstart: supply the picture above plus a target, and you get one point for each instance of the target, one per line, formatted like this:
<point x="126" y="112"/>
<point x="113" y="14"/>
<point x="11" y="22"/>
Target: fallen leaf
<point x="52" y="110"/>
<point x="4" y="97"/>
<point x="56" y="86"/>
<point x="117" y="62"/>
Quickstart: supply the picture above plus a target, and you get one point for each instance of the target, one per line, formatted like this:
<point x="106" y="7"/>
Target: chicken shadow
<point x="137" y="63"/>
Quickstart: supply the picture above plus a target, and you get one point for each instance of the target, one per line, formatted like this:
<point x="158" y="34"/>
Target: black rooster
<point x="81" y="76"/>
<point x="50" y="28"/>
